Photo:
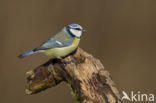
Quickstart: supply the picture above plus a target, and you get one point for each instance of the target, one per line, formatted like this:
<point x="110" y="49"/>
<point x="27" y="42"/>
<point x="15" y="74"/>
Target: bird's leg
<point x="73" y="60"/>
<point x="64" y="61"/>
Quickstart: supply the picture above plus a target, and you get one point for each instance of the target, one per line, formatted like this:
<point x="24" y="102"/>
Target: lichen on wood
<point x="88" y="79"/>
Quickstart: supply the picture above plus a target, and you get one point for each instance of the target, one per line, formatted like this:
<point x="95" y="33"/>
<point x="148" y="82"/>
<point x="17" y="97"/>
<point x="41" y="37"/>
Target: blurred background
<point x="121" y="33"/>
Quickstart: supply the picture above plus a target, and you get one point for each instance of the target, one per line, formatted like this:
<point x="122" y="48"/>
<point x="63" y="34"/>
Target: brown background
<point x="121" y="33"/>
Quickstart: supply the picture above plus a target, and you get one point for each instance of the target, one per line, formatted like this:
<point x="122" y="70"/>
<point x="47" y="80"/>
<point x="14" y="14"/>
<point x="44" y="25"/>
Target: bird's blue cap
<point x="74" y="25"/>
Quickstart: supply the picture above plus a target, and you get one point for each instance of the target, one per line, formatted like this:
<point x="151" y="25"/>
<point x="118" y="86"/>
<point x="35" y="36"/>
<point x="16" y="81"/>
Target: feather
<point x="26" y="54"/>
<point x="61" y="39"/>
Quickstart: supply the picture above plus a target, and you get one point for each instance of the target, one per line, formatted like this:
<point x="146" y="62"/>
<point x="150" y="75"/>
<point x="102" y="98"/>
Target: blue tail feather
<point x="26" y="54"/>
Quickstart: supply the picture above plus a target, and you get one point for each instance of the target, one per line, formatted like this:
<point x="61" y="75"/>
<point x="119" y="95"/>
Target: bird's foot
<point x="70" y="61"/>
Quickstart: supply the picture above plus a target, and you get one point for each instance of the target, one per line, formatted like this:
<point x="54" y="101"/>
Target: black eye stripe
<point x="77" y="28"/>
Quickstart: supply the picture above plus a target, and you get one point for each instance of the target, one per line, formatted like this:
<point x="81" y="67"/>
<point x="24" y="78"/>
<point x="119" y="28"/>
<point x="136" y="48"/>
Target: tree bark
<point x="89" y="81"/>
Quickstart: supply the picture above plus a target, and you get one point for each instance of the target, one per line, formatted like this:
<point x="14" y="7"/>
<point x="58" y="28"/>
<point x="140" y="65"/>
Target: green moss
<point x="41" y="86"/>
<point x="73" y="93"/>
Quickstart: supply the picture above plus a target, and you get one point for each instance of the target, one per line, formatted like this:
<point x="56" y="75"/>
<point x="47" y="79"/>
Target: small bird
<point x="61" y="45"/>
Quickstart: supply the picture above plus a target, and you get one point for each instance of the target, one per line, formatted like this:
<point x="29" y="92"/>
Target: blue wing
<point x="53" y="43"/>
<point x="62" y="39"/>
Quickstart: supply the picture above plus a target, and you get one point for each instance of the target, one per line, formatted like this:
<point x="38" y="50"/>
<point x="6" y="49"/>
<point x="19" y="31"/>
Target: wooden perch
<point x="86" y="76"/>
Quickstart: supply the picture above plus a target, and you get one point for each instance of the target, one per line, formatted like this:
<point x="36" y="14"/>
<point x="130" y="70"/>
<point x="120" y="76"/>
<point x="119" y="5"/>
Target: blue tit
<point x="61" y="45"/>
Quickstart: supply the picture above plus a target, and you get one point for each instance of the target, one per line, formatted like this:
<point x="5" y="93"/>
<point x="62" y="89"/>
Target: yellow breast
<point x="62" y="51"/>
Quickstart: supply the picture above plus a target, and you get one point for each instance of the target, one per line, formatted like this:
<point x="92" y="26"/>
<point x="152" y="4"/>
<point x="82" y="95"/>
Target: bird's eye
<point x="77" y="29"/>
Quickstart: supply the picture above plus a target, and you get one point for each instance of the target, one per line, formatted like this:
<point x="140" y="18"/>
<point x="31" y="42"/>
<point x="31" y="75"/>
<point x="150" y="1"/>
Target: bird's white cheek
<point x="76" y="32"/>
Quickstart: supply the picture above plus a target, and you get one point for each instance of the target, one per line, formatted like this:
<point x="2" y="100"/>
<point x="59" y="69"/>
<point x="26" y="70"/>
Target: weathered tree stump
<point x="89" y="81"/>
